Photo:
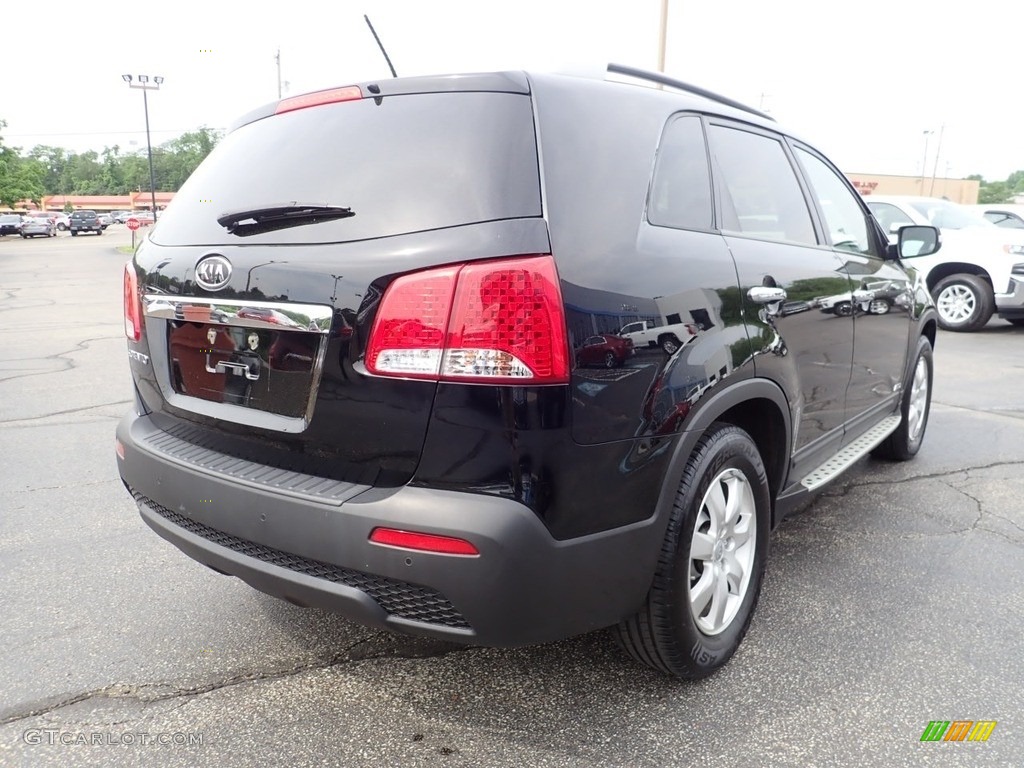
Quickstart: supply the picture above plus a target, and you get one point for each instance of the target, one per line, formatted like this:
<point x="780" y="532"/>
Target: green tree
<point x="20" y="178"/>
<point x="995" y="192"/>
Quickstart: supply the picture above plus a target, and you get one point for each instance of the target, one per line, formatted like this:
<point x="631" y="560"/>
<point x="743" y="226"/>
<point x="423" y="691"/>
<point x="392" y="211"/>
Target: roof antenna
<point x="381" y="46"/>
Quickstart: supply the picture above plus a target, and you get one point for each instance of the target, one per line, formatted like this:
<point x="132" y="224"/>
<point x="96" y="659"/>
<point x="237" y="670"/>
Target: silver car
<point x="38" y="226"/>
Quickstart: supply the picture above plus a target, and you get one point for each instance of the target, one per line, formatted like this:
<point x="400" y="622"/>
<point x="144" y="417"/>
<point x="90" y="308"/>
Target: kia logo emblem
<point x="213" y="272"/>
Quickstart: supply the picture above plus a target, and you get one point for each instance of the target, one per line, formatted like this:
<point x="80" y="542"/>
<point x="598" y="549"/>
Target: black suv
<point x="355" y="377"/>
<point x="85" y="221"/>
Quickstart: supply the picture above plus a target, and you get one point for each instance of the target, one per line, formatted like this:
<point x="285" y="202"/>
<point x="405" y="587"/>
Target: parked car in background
<point x="1009" y="215"/>
<point x="980" y="269"/>
<point x="669" y="336"/>
<point x="36" y="226"/>
<point x="604" y="349"/>
<point x="386" y="413"/>
<point x="10" y="224"/>
<point x="85" y="221"/>
<point x="105" y="219"/>
<point x="120" y="216"/>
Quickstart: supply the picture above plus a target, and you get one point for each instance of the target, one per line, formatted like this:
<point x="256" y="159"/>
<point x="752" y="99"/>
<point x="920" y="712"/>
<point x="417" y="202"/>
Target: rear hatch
<point x="260" y="284"/>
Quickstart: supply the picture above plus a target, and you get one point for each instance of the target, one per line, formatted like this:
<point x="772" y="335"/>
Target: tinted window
<point x="845" y="218"/>
<point x="1008" y="220"/>
<point x="408" y="164"/>
<point x="761" y="195"/>
<point x="681" y="190"/>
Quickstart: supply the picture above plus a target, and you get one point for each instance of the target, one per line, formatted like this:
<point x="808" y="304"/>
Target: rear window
<point x="406" y="164"/>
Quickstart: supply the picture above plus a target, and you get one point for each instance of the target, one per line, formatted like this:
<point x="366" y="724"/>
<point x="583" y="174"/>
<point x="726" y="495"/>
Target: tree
<point x="20" y="178"/>
<point x="995" y="192"/>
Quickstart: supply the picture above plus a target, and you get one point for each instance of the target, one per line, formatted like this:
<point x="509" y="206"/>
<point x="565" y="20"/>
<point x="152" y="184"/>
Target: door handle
<point x="759" y="294"/>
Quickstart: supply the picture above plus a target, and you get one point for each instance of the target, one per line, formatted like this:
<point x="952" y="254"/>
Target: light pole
<point x="144" y="84"/>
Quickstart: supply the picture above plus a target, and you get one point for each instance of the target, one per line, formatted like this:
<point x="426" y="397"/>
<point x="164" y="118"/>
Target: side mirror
<point x="917" y="240"/>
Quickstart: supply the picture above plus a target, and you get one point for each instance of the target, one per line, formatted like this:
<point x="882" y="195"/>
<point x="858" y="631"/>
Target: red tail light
<point x="488" y="322"/>
<point x="132" y="305"/>
<point x="426" y="542"/>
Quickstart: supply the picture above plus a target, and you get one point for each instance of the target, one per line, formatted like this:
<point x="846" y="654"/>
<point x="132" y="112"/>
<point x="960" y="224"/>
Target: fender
<point x="710" y="411"/>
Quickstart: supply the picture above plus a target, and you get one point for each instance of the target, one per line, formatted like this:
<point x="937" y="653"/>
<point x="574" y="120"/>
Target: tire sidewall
<point x="912" y="446"/>
<point x="732" y="449"/>
<point x="981" y="302"/>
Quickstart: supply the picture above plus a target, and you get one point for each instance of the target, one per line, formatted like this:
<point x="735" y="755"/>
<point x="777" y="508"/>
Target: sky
<point x="865" y="82"/>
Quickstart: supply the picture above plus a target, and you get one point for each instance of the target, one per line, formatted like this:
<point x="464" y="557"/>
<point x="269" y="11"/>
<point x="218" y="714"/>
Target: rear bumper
<point x="305" y="540"/>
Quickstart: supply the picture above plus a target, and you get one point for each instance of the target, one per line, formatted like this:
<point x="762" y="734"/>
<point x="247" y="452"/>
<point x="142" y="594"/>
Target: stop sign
<point x="133" y="224"/>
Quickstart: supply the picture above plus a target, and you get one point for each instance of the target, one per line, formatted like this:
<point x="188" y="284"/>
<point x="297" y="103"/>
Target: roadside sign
<point x="133" y="224"/>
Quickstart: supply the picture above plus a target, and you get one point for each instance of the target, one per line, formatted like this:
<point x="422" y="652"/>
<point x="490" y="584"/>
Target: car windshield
<point x="946" y="215"/>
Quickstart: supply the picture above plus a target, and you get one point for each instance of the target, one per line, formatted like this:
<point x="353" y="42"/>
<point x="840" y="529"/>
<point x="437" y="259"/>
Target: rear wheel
<point x="712" y="561"/>
<point x="965" y="302"/>
<point x="669" y="344"/>
<point x="905" y="442"/>
<point x="609" y="360"/>
<point x="74" y="233"/>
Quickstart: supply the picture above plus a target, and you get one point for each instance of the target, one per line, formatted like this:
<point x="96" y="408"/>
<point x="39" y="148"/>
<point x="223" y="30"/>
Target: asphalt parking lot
<point x="895" y="599"/>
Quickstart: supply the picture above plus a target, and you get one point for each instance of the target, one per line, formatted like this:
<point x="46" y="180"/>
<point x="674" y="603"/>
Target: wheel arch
<point x="757" y="406"/>
<point x="944" y="270"/>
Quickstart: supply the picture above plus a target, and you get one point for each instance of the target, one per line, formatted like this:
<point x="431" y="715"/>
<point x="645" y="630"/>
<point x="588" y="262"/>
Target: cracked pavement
<point x="895" y="598"/>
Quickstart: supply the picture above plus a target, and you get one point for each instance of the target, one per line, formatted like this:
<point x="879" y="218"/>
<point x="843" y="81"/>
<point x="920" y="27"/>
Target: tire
<point x="62" y="226"/>
<point x="99" y="231"/>
<point x="677" y="631"/>
<point x="905" y="442"/>
<point x="24" y="237"/>
<point x="609" y="360"/>
<point x="74" y="233"/>
<point x="965" y="302"/>
<point x="878" y="307"/>
<point x="669" y="344"/>
<point x="844" y="309"/>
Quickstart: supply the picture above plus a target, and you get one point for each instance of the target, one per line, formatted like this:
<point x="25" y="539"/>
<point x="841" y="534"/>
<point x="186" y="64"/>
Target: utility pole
<point x="662" y="35"/>
<point x="935" y="168"/>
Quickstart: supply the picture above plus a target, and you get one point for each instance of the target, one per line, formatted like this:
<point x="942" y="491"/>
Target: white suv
<point x="978" y="272"/>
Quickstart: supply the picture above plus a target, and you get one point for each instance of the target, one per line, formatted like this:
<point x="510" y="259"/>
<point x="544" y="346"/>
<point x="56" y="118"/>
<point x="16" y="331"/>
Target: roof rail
<point x="657" y="77"/>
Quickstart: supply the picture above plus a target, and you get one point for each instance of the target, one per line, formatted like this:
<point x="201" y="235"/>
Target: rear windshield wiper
<point x="255" y="220"/>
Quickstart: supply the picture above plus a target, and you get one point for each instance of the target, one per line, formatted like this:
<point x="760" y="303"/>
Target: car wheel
<point x="99" y="231"/>
<point x="965" y="302"/>
<point x="62" y="227"/>
<point x="609" y="360"/>
<point x="712" y="561"/>
<point x="844" y="309"/>
<point x="73" y="233"/>
<point x="878" y="307"/>
<point x="669" y="344"/>
<point x="905" y="442"/>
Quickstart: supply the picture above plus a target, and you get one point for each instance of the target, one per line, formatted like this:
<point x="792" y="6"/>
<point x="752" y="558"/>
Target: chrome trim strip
<point x="304" y="318"/>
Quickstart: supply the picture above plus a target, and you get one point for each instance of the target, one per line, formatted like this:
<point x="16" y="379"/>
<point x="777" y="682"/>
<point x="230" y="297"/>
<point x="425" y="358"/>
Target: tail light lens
<point x="132" y="305"/>
<point x="488" y="322"/>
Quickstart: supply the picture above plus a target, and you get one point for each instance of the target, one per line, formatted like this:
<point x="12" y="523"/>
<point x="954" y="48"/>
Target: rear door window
<point x="761" y="197"/>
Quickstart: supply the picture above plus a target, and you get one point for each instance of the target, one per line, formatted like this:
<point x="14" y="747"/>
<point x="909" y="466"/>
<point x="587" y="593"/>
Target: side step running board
<point x="849" y="454"/>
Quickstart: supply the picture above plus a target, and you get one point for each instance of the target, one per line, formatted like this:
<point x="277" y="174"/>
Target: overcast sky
<point x="861" y="80"/>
